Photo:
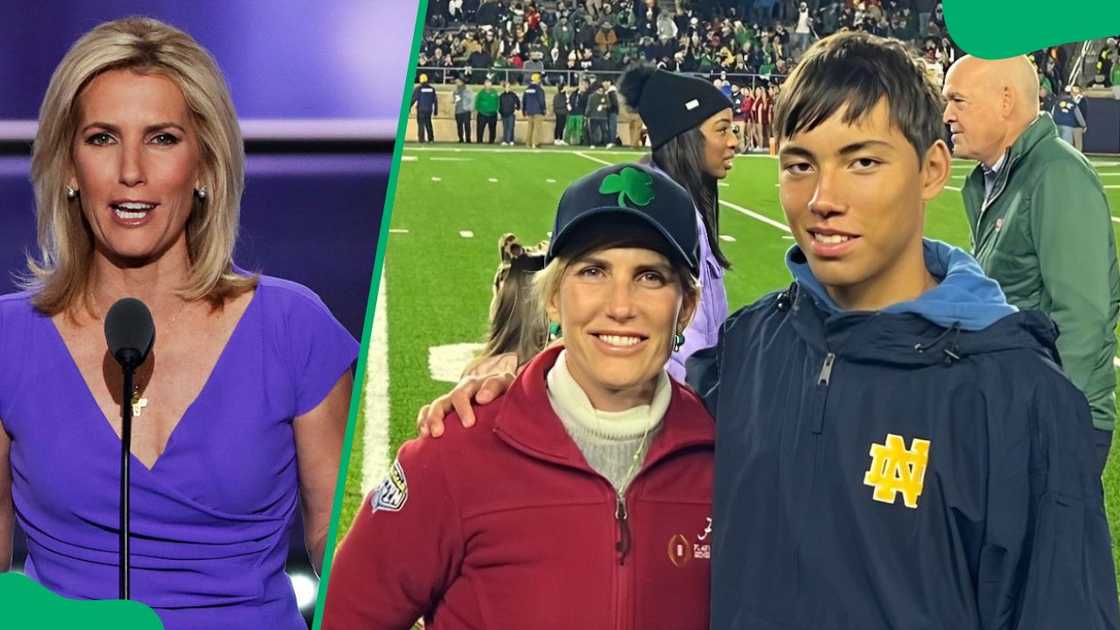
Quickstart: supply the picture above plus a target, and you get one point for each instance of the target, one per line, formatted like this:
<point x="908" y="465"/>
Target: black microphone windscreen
<point x="129" y="331"/>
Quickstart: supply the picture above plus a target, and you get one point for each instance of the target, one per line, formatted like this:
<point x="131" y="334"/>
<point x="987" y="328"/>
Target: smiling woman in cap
<point x="689" y="122"/>
<point x="588" y="499"/>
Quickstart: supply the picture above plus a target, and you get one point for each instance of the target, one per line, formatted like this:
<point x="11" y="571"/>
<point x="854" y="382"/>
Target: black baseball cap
<point x="634" y="191"/>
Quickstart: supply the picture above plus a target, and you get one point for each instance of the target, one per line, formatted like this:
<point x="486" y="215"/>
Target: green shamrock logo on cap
<point x="629" y="182"/>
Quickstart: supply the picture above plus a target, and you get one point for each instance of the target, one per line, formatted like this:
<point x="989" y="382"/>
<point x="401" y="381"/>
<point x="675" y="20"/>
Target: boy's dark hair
<point x="856" y="70"/>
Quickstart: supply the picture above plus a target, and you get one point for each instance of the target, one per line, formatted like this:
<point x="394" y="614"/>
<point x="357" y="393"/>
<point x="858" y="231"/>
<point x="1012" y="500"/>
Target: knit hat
<point x="634" y="191"/>
<point x="669" y="103"/>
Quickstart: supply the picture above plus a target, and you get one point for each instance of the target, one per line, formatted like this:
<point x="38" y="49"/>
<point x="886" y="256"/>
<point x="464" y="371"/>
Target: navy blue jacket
<point x="533" y="100"/>
<point x="424" y="97"/>
<point x="1007" y="528"/>
<point x="1066" y="112"/>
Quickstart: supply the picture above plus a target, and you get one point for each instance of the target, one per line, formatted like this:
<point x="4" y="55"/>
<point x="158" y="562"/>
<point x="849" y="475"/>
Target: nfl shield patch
<point x="393" y="491"/>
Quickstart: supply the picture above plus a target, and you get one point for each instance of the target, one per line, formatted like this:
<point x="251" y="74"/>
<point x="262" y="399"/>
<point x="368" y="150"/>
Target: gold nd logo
<point x="895" y="469"/>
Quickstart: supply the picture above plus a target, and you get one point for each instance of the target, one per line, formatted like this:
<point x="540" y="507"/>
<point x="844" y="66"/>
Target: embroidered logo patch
<point x="630" y="183"/>
<point x="391" y="494"/>
<point x="679" y="550"/>
<point x="895" y="469"/>
<point x="691" y="105"/>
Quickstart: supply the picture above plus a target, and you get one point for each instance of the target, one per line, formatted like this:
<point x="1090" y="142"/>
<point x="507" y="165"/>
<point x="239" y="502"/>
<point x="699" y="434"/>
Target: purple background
<point x="308" y="217"/>
<point x="282" y="59"/>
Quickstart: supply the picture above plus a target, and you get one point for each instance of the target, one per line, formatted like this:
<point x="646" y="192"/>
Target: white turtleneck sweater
<point x="607" y="439"/>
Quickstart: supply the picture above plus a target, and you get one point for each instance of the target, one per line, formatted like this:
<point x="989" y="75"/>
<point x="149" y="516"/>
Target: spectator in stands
<point x="1067" y="116"/>
<point x="1041" y="221"/>
<point x="763" y="112"/>
<point x="508" y="106"/>
<point x="577" y="107"/>
<point x="803" y="32"/>
<point x="1083" y="107"/>
<point x="463" y="99"/>
<point x="486" y="106"/>
<point x="427" y="105"/>
<point x="605" y="38"/>
<point x="597" y="114"/>
<point x="648" y="18"/>
<point x="535" y="65"/>
<point x="534" y="105"/>
<point x="1114" y="79"/>
<point x="738" y="96"/>
<point x="560" y="112"/>
<point x="612" y="112"/>
<point x="666" y="28"/>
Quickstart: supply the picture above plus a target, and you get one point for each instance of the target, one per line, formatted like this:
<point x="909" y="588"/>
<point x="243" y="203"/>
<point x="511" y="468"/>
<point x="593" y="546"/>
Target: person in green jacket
<point x="1115" y="80"/>
<point x="1041" y="224"/>
<point x="486" y="104"/>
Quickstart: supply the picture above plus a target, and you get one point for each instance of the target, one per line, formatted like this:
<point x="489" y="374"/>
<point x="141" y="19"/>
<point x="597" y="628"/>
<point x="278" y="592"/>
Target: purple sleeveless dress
<point x="210" y="519"/>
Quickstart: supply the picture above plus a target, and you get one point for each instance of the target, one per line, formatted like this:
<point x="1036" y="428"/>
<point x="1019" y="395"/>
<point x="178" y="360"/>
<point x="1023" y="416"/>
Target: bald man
<point x="1040" y="220"/>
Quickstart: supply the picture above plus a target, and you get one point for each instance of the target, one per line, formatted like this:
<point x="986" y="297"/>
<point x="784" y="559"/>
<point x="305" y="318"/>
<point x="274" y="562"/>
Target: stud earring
<point x="678" y="341"/>
<point x="200" y="192"/>
<point x="553" y="331"/>
<point x="71" y="192"/>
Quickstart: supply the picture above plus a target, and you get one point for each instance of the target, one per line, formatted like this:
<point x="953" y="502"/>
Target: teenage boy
<point x="896" y="446"/>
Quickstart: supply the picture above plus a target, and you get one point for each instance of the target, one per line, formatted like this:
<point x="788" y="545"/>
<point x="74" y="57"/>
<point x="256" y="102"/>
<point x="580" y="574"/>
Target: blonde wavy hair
<point x="59" y="275"/>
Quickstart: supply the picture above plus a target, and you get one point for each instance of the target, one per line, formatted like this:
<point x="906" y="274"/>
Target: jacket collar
<point x="908" y="339"/>
<point x="1042" y="128"/>
<point x="527" y="422"/>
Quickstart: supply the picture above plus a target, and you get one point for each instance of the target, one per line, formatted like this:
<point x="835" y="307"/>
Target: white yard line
<point x="1115" y="219"/>
<point x="754" y="215"/>
<point x="375" y="437"/>
<point x="593" y="159"/>
<point x="953" y="188"/>
<point x="1116" y="361"/>
<point x="451" y="148"/>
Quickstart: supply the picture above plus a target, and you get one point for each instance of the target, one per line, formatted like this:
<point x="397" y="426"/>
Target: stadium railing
<point x="474" y="76"/>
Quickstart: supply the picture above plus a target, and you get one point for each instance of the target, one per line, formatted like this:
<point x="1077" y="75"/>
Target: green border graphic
<point x="995" y="29"/>
<point x="27" y="604"/>
<point x="379" y="262"/>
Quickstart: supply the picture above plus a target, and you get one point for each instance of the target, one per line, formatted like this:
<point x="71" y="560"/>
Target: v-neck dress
<point x="210" y="519"/>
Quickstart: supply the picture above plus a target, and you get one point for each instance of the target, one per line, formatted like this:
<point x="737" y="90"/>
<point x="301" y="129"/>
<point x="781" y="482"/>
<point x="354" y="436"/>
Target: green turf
<point x="438" y="283"/>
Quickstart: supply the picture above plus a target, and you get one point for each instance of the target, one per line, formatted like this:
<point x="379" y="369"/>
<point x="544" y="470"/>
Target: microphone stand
<point x="129" y="369"/>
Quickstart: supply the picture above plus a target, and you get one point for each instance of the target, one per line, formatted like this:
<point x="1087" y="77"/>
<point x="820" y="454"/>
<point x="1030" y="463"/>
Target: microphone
<point x="130" y="334"/>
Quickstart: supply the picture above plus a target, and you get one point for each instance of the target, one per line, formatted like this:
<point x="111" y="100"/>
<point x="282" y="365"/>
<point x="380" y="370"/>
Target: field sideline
<point x="454" y="201"/>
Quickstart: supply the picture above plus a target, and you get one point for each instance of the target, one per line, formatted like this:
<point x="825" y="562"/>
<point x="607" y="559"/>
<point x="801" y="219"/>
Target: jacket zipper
<point x="823" y="381"/>
<point x="622" y="571"/>
<point x="622" y="546"/>
<point x="826" y="369"/>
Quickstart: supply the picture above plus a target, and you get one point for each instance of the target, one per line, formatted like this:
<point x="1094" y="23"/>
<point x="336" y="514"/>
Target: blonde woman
<point x="586" y="502"/>
<point x="138" y="171"/>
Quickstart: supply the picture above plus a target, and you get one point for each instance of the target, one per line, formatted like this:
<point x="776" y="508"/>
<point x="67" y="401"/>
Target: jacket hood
<point x="966" y="314"/>
<point x="964" y="296"/>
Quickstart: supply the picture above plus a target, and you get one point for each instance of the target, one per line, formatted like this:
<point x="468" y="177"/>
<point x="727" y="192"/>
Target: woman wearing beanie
<point x="692" y="140"/>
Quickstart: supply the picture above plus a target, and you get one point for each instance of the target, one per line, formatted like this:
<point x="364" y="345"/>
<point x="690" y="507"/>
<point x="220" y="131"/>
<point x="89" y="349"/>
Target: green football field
<point x="451" y="206"/>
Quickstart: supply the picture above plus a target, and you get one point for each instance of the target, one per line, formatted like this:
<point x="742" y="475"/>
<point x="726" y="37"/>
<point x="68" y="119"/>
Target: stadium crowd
<point x="749" y="37"/>
<point x="746" y="46"/>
